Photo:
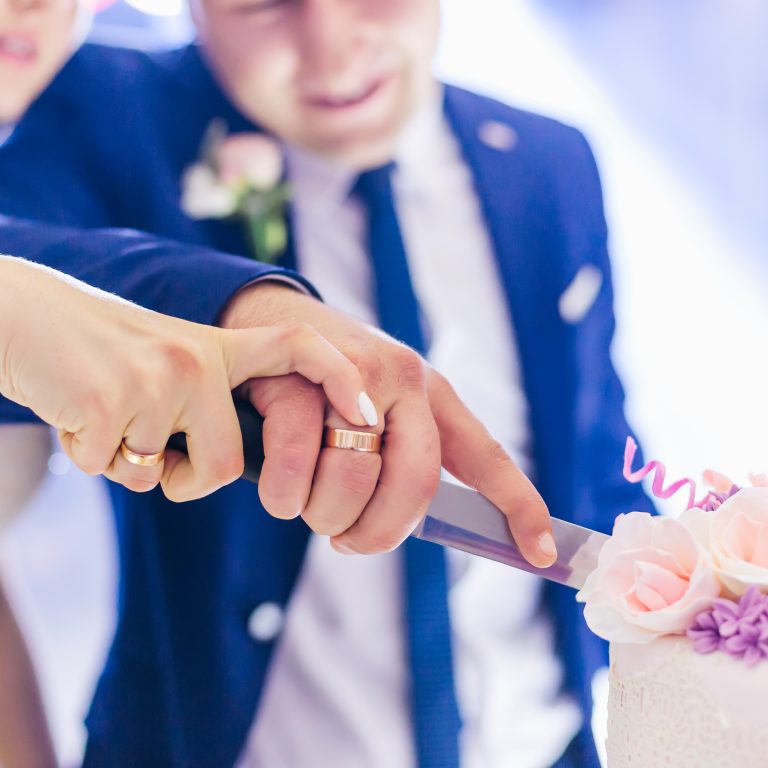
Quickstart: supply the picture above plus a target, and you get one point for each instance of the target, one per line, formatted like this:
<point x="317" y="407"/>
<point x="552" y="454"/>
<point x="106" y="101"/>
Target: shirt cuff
<point x="287" y="279"/>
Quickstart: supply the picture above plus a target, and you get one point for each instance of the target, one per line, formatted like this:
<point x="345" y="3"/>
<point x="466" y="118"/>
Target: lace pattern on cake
<point x="660" y="718"/>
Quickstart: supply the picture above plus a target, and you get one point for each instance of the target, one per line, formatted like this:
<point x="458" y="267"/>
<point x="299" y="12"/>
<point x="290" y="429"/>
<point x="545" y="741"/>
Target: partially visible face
<point x="36" y="36"/>
<point x="338" y="77"/>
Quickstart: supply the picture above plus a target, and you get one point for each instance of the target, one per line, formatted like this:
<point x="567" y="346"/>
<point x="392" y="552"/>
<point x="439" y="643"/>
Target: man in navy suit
<point x="475" y="233"/>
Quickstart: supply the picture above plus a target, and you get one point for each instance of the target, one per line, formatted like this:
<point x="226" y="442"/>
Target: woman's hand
<point x="102" y="370"/>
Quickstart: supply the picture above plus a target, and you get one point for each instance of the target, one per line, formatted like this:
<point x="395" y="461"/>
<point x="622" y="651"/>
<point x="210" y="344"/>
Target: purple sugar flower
<point x="714" y="499"/>
<point x="738" y="629"/>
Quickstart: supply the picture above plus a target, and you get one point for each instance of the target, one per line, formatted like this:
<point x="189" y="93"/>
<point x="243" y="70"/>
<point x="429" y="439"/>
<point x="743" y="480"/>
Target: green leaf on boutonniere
<point x="239" y="176"/>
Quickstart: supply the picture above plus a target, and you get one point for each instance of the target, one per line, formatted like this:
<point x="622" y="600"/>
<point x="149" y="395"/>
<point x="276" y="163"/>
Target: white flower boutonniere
<point x="240" y="176"/>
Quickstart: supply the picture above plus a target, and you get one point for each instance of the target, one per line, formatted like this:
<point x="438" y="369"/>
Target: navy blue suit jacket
<point x="106" y="146"/>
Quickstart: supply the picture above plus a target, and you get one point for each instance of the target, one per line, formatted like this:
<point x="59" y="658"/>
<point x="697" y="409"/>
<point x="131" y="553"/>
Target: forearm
<point x="185" y="281"/>
<point x="11" y="280"/>
<point x="25" y="741"/>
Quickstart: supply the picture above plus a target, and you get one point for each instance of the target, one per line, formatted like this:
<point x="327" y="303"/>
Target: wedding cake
<point x="682" y="602"/>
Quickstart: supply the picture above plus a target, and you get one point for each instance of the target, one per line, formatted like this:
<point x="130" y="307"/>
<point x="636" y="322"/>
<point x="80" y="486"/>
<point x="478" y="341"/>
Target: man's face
<point x="36" y="36"/>
<point x="338" y="77"/>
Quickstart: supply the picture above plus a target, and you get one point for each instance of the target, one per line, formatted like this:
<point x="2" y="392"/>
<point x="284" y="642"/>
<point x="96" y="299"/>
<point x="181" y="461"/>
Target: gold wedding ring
<point x="367" y="442"/>
<point x="141" y="459"/>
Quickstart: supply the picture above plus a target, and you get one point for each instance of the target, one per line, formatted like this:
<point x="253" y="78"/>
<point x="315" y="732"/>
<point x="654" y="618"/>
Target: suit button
<point x="577" y="299"/>
<point x="265" y="622"/>
<point x="497" y="135"/>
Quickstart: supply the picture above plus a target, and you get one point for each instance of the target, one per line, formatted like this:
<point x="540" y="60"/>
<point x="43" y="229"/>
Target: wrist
<point x="11" y="285"/>
<point x="265" y="302"/>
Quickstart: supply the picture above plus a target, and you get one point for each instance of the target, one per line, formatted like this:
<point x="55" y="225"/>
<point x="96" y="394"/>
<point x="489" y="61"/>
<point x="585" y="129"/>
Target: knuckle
<point x="296" y="336"/>
<point x="138" y="484"/>
<point x="294" y="460"/>
<point x="380" y="542"/>
<point x="358" y="477"/>
<point x="226" y="468"/>
<point x="497" y="454"/>
<point x="276" y="506"/>
<point x="426" y="484"/>
<point x="411" y="374"/>
<point x="298" y="332"/>
<point x="371" y="369"/>
<point x="440" y="385"/>
<point x="497" y="459"/>
<point x="175" y="493"/>
<point x="300" y="400"/>
<point x="91" y="466"/>
<point x="103" y="403"/>
<point x="324" y="525"/>
<point x="185" y="359"/>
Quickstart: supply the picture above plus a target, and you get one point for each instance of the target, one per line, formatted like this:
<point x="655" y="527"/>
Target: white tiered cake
<point x="670" y="707"/>
<point x="683" y="603"/>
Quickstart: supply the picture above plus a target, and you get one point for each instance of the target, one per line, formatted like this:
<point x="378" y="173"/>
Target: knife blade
<point x="458" y="517"/>
<point x="464" y="519"/>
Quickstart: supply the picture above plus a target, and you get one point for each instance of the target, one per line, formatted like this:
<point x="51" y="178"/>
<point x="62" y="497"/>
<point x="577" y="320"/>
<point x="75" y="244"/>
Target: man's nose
<point x="331" y="36"/>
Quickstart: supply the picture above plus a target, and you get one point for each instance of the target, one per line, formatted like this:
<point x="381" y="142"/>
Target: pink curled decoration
<point x="724" y="487"/>
<point x="659" y="471"/>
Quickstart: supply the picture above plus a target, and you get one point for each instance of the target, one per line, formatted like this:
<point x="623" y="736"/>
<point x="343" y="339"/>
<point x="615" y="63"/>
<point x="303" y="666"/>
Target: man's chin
<point x="354" y="151"/>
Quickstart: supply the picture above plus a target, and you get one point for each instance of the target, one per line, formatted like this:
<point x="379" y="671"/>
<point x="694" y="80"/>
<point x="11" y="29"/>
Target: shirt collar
<point x="325" y="183"/>
<point x="421" y="140"/>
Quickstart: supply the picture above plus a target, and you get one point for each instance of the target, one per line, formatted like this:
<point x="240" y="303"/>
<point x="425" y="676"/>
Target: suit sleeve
<point x="49" y="174"/>
<point x="189" y="282"/>
<point x="600" y="418"/>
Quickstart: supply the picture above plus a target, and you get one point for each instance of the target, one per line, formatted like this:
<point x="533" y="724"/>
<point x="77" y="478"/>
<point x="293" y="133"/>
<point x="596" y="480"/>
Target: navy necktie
<point x="435" y="713"/>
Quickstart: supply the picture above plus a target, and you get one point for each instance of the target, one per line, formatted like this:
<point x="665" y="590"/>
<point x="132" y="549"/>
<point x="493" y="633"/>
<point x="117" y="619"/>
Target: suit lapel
<point x="521" y="212"/>
<point x="516" y="204"/>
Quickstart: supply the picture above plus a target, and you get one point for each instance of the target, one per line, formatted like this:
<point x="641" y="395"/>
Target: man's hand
<point x="365" y="502"/>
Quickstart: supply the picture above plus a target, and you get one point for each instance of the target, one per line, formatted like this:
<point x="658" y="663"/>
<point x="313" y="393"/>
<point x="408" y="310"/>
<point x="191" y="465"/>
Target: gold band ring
<point x="367" y="442"/>
<point x="141" y="459"/>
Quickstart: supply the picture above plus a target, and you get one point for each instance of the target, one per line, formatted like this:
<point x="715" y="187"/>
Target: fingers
<point x="408" y="480"/>
<point x="146" y="434"/>
<point x="293" y="411"/>
<point x="92" y="448"/>
<point x="298" y="348"/>
<point x="474" y="457"/>
<point x="344" y="483"/>
<point x="214" y="448"/>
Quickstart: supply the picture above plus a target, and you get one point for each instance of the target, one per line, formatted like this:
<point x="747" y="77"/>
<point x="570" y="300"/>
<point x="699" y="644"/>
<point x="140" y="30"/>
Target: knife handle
<point x="251" y="425"/>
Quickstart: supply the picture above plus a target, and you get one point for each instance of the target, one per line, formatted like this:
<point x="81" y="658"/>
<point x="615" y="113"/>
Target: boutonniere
<point x="239" y="176"/>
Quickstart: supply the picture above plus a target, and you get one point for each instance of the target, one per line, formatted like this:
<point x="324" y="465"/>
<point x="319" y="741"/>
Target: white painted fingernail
<point x="367" y="409"/>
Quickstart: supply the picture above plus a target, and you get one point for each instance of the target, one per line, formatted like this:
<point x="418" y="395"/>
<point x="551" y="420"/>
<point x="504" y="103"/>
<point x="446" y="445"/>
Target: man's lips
<point x="18" y="48"/>
<point x="344" y="100"/>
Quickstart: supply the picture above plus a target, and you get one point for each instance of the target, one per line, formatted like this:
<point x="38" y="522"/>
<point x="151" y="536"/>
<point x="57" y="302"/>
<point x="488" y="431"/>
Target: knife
<point x="458" y="517"/>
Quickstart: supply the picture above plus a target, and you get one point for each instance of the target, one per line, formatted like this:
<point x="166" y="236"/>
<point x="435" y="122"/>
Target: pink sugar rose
<point x="250" y="158"/>
<point x="736" y="536"/>
<point x="652" y="579"/>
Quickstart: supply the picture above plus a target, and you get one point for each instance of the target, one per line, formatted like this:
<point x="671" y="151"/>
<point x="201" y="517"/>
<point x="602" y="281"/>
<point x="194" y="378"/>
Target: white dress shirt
<point x="337" y="690"/>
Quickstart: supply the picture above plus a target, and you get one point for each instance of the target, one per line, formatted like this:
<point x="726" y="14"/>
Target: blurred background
<point x="674" y="99"/>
